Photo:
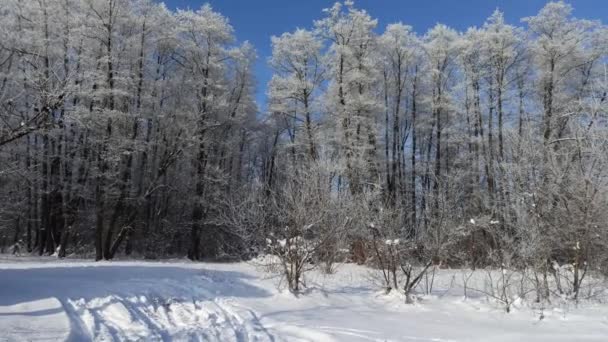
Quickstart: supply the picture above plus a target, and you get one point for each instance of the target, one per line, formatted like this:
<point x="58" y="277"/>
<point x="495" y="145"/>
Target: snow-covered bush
<point x="395" y="259"/>
<point x="304" y="227"/>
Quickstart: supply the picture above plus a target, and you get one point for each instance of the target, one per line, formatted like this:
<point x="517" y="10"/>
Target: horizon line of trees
<point x="129" y="128"/>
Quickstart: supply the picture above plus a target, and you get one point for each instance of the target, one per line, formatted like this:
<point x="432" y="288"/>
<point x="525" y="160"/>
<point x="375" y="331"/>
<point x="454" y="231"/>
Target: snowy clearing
<point x="50" y="300"/>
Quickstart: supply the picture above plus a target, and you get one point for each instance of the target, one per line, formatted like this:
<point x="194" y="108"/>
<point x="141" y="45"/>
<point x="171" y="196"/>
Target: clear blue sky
<point x="257" y="20"/>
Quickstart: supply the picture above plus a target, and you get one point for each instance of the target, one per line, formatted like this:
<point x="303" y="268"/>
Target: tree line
<point x="130" y="128"/>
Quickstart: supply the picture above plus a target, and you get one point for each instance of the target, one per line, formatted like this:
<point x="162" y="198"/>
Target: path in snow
<point x="122" y="301"/>
<point x="53" y="300"/>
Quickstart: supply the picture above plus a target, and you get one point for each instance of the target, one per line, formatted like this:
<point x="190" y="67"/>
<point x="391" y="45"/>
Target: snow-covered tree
<point x="398" y="48"/>
<point x="294" y="88"/>
<point x="352" y="98"/>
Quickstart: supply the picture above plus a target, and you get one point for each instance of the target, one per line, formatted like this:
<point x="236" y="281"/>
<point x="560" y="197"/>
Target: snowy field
<point x="51" y="300"/>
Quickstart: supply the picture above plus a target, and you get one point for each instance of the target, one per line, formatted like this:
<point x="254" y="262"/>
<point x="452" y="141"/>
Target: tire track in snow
<point x="152" y="318"/>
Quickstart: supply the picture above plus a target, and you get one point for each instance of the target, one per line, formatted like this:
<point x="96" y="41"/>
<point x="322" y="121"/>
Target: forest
<point x="131" y="130"/>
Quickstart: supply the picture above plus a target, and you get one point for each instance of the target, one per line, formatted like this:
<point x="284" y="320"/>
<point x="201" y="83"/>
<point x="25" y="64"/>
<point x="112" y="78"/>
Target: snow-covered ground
<point x="51" y="300"/>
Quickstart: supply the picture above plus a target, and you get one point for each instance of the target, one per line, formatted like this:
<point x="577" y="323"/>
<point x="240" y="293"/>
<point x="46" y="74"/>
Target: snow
<point x="50" y="300"/>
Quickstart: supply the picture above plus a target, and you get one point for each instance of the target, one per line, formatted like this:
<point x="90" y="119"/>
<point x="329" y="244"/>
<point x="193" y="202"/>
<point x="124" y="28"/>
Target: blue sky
<point x="257" y="20"/>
